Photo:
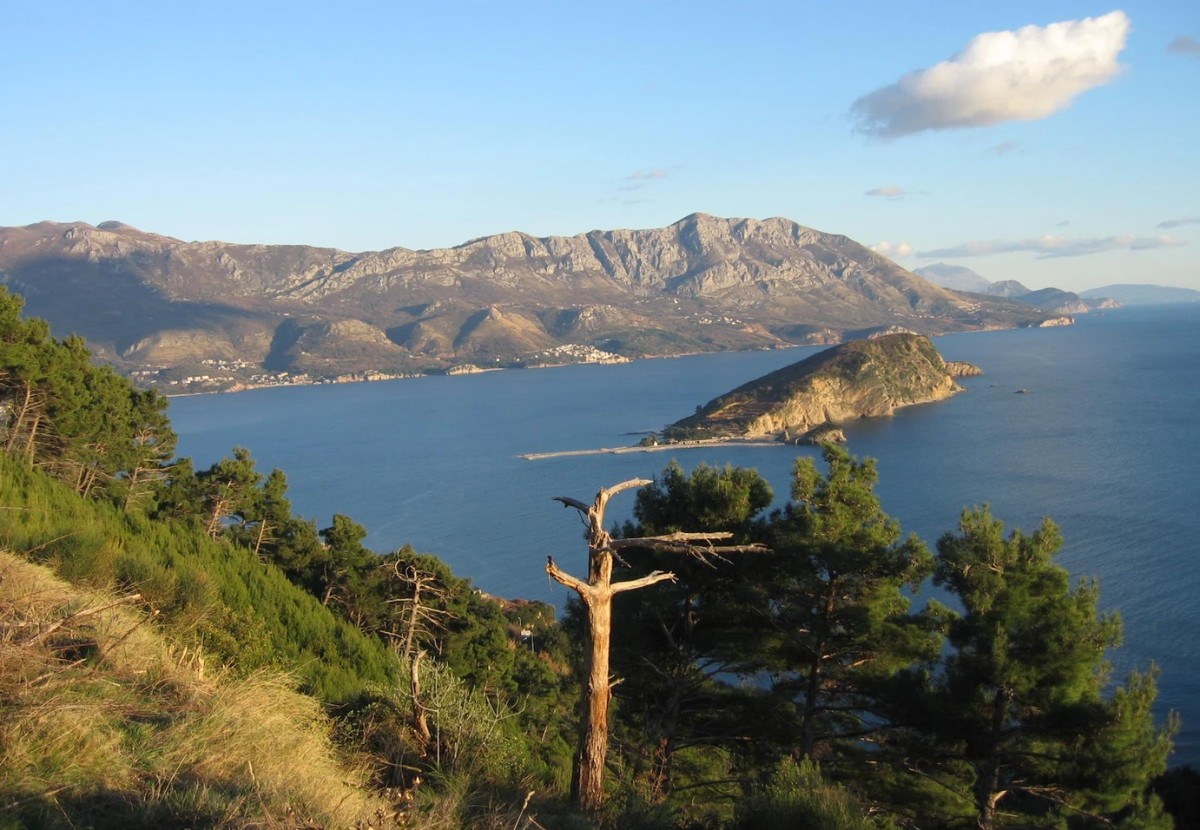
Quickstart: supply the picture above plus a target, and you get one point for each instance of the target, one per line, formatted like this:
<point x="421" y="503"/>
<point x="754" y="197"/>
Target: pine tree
<point x="1018" y="724"/>
<point x="683" y="643"/>
<point x="841" y="607"/>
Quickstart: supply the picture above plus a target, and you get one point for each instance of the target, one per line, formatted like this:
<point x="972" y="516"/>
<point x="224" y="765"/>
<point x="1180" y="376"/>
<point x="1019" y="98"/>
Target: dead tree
<point x="597" y="592"/>
<point x="419" y="617"/>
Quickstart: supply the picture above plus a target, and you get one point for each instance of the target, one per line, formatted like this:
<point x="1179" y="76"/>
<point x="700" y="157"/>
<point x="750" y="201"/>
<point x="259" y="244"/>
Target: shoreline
<point x="678" y="445"/>
<point x="251" y="387"/>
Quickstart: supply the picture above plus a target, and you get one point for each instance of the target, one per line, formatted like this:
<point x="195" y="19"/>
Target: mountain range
<point x="213" y="314"/>
<point x="960" y="278"/>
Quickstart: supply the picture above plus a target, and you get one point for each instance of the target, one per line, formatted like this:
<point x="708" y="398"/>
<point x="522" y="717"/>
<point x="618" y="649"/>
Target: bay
<point x="1103" y="439"/>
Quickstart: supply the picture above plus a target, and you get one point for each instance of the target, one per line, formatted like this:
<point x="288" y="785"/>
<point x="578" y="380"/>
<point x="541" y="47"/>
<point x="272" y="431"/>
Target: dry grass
<point x="104" y="723"/>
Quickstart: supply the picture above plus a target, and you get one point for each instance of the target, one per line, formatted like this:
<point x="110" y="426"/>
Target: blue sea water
<point x="1103" y="440"/>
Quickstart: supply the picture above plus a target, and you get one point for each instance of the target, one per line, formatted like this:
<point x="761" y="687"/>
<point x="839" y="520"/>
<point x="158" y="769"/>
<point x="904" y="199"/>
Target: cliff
<point x="164" y="308"/>
<point x="862" y="378"/>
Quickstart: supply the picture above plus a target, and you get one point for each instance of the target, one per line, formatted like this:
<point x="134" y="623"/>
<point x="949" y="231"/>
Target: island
<point x="808" y="401"/>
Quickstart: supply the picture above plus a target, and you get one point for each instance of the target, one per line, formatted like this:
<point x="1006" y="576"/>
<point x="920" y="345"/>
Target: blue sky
<point x="1056" y="143"/>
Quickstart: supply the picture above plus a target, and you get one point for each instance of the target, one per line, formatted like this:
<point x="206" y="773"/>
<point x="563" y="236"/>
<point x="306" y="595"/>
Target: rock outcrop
<point x="859" y="379"/>
<point x="962" y="369"/>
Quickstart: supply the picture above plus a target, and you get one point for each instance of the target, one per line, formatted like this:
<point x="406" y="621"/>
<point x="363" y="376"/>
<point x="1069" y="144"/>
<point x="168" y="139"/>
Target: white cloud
<point x="890" y="249"/>
<point x="1184" y="45"/>
<point x="1048" y="247"/>
<point x="1021" y="75"/>
<point x="1175" y="223"/>
<point x="890" y="193"/>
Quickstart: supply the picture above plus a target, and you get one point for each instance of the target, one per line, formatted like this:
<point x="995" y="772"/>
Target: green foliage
<point x="217" y="595"/>
<point x="840" y="602"/>
<point x="809" y="651"/>
<point x="797" y="798"/>
<point x="80" y="421"/>
<point x="681" y="643"/>
<point x="1016" y="718"/>
<point x="106" y="723"/>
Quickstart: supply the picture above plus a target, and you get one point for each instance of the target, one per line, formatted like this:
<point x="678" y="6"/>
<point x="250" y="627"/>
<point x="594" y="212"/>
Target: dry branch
<point x="596" y="592"/>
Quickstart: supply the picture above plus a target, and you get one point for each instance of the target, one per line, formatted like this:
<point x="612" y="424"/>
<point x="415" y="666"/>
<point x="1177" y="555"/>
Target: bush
<point x="797" y="798"/>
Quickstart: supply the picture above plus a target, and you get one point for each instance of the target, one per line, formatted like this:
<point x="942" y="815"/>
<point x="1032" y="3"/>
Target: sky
<point x="1055" y="143"/>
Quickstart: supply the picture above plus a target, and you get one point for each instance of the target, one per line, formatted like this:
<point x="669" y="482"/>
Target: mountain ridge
<point x="1053" y="300"/>
<point x="164" y="308"/>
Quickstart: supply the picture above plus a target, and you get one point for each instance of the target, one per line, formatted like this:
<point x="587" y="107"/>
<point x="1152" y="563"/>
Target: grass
<point x="105" y="723"/>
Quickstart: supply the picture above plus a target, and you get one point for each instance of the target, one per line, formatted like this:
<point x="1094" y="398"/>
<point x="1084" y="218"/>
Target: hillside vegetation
<point x="178" y="649"/>
<point x="109" y="723"/>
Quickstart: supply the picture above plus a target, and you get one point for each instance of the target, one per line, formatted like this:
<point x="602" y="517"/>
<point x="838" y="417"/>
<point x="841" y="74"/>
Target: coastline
<point x="698" y="443"/>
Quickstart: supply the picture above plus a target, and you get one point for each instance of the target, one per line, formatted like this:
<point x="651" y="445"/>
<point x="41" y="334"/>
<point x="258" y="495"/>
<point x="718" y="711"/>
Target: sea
<point x="1096" y="425"/>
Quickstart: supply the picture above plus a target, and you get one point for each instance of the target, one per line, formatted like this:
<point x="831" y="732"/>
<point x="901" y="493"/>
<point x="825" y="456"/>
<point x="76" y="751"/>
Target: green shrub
<point x="797" y="798"/>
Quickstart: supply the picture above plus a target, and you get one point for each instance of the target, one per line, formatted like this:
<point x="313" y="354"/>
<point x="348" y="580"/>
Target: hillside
<point x="862" y="378"/>
<point x="222" y="314"/>
<point x="108" y="723"/>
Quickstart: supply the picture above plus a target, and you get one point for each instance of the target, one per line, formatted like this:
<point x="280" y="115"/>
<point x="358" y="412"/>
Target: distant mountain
<point x="1143" y="294"/>
<point x="1048" y="299"/>
<point x="1054" y="299"/>
<point x="862" y="378"/>
<point x="208" y="314"/>
<point x="956" y="277"/>
<point x="1006" y="288"/>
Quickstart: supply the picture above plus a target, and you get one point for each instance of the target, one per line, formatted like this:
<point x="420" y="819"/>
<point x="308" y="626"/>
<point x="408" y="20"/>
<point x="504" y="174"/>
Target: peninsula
<point x="808" y="400"/>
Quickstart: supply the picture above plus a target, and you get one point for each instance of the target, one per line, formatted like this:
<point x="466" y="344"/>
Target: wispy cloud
<point x="1020" y="75"/>
<point x="890" y="193"/>
<point x="1048" y="247"/>
<point x="642" y="175"/>
<point x="639" y="180"/>
<point x="1163" y="240"/>
<point x="1175" y="223"/>
<point x="1003" y="147"/>
<point x="892" y="249"/>
<point x="1184" y="45"/>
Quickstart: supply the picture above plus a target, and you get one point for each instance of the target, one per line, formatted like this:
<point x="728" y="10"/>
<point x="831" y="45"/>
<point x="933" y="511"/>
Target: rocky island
<point x="809" y="400"/>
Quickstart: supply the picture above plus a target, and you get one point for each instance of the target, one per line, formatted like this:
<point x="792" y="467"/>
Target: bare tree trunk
<point x="213" y="526"/>
<point x="132" y="493"/>
<point x="587" y="784"/>
<point x="587" y="779"/>
<point x="262" y="535"/>
<point x="31" y="441"/>
<point x="17" y="421"/>
<point x="420" y="721"/>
